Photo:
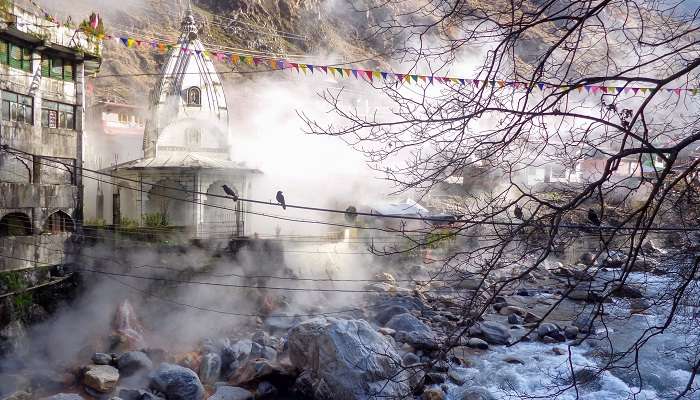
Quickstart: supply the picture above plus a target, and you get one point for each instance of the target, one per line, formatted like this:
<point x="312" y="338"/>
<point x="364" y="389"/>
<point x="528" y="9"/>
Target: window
<point x="123" y="118"/>
<point x="194" y="96"/>
<point x="57" y="115"/>
<point x="58" y="222"/>
<point x="15" y="224"/>
<point x="193" y="136"/>
<point x="57" y="68"/>
<point x="17" y="108"/>
<point x="15" y="56"/>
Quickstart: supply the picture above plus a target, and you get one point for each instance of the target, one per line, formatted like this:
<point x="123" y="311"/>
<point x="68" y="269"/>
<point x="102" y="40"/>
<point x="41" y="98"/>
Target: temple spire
<point x="189" y="25"/>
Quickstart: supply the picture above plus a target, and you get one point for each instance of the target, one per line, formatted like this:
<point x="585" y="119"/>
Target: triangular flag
<point x="635" y="89"/>
<point x="125" y="41"/>
<point x="678" y="91"/>
<point x="347" y="72"/>
<point x="354" y="73"/>
<point x="369" y="75"/>
<point x="303" y="67"/>
<point x="461" y="81"/>
<point x="235" y="58"/>
<point x="501" y="83"/>
<point x="694" y="91"/>
<point x="455" y="80"/>
<point x="257" y="60"/>
<point x="541" y="86"/>
<point x="476" y="82"/>
<point x="415" y="78"/>
<point x="273" y="64"/>
<point x="324" y="69"/>
<point x="579" y="88"/>
<point x="588" y="88"/>
<point x="295" y="66"/>
<point x="430" y="79"/>
<point x="628" y="90"/>
<point x="399" y="77"/>
<point x="281" y="64"/>
<point x="250" y="60"/>
<point x="377" y="74"/>
<point x="311" y="68"/>
<point x="198" y="52"/>
<point x="612" y="89"/>
<point x="644" y="90"/>
<point x="423" y="78"/>
<point x="161" y="47"/>
<point x="384" y="75"/>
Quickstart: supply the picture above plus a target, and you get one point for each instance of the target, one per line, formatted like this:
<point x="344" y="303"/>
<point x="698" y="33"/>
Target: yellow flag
<point x="235" y="58"/>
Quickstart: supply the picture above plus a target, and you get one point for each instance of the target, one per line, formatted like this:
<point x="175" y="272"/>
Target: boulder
<point x="232" y="356"/>
<point x="265" y="390"/>
<point x="433" y="393"/>
<point x="64" y="396"/>
<point x="515" y="319"/>
<point x="102" y="378"/>
<point x="627" y="291"/>
<point x="545" y="329"/>
<point x="256" y="369"/>
<point x="509" y="310"/>
<point x="177" y="383"/>
<point x="132" y="362"/>
<point x="410" y="329"/>
<point x="225" y="392"/>
<point x="346" y="360"/>
<point x="388" y="313"/>
<point x="410" y="359"/>
<point x="492" y="332"/>
<point x="571" y="332"/>
<point x="210" y="368"/>
<point x="477" y="343"/>
<point x="137" y="394"/>
<point x="101" y="359"/>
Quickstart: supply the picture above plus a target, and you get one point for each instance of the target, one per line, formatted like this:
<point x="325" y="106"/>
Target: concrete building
<point x="186" y="151"/>
<point x="42" y="74"/>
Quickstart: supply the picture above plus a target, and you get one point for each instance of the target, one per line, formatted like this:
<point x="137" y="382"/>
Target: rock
<point x="261" y="351"/>
<point x="475" y="283"/>
<point x="346" y="359"/>
<point x="558" y="351"/>
<point x="433" y="393"/>
<point x="102" y="378"/>
<point x="638" y="306"/>
<point x="224" y="392"/>
<point x="477" y="343"/>
<point x="388" y="313"/>
<point x="257" y="369"/>
<point x="530" y="318"/>
<point x="177" y="383"/>
<point x="410" y="359"/>
<point x="210" y="368"/>
<point x="474" y="393"/>
<point x="101" y="359"/>
<point x="546" y="328"/>
<point x="441" y="366"/>
<point x="459" y="375"/>
<point x="411" y="330"/>
<point x="509" y="310"/>
<point x="522" y="292"/>
<point x="583" y="321"/>
<point x="627" y="291"/>
<point x="265" y="390"/>
<point x="515" y="319"/>
<point x="137" y="394"/>
<point x="132" y="362"/>
<point x="232" y="356"/>
<point x="386" y="278"/>
<point x="571" y="332"/>
<point x="64" y="396"/>
<point x="588" y="258"/>
<point x="588" y="378"/>
<point x="494" y="332"/>
<point x="433" y="378"/>
<point x="513" y="360"/>
<point x="386" y="331"/>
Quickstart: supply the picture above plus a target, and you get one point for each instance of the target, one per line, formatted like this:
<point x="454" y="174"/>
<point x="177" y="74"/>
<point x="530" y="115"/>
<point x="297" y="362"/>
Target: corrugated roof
<point x="183" y="160"/>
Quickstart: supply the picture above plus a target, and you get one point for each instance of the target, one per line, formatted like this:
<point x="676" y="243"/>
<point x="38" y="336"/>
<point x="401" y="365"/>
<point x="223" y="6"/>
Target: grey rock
<point x="258" y="350"/>
<point x="410" y="359"/>
<point x="224" y="392"/>
<point x="628" y="291"/>
<point x="459" y="375"/>
<point x="177" y="383"/>
<point x="515" y="319"/>
<point x="388" y="313"/>
<point x="477" y="343"/>
<point x="411" y="330"/>
<point x="137" y="394"/>
<point x="346" y="359"/>
<point x="64" y="396"/>
<point x="132" y="362"/>
<point x="494" y="332"/>
<point x="265" y="390"/>
<point x="255" y="369"/>
<point x="571" y="332"/>
<point x="435" y="378"/>
<point x="545" y="329"/>
<point x="101" y="359"/>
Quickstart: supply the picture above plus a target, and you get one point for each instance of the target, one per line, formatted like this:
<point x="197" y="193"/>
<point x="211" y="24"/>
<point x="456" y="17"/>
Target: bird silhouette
<point x="593" y="217"/>
<point x="280" y="199"/>
<point x="518" y="212"/>
<point x="230" y="192"/>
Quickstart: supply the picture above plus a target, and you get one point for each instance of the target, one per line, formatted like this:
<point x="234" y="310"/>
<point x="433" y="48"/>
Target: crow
<point x="230" y="192"/>
<point x="518" y="212"/>
<point x="593" y="217"/>
<point x="280" y="199"/>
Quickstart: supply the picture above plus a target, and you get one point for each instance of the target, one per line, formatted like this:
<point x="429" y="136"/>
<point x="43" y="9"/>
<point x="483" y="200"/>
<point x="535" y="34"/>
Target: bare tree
<point x="581" y="114"/>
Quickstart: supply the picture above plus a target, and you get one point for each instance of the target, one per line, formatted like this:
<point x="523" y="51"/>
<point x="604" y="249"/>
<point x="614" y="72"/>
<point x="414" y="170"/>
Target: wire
<point x="344" y="212"/>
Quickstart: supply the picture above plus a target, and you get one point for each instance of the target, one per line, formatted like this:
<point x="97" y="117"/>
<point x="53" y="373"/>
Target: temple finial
<point x="189" y="25"/>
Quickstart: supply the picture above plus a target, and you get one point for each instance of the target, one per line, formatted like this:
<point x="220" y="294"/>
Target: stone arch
<point x="219" y="220"/>
<point x="170" y="198"/>
<point x="15" y="224"/>
<point x="58" y="222"/>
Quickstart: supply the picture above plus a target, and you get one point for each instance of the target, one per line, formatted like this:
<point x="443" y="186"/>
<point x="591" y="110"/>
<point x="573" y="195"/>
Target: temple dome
<point x="188" y="111"/>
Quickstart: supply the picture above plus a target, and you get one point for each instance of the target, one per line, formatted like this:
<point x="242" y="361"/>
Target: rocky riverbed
<point x="409" y="337"/>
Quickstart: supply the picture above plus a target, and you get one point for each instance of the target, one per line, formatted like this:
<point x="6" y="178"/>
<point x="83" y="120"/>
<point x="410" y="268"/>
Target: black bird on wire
<point x="593" y="217"/>
<point x="230" y="192"/>
<point x="518" y="212"/>
<point x="280" y="199"/>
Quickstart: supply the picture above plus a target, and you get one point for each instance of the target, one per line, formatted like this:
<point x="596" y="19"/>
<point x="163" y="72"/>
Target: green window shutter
<point x="45" y="67"/>
<point x="56" y="68"/>
<point x="26" y="60"/>
<point x="68" y="71"/>
<point x="15" y="56"/>
<point x="4" y="51"/>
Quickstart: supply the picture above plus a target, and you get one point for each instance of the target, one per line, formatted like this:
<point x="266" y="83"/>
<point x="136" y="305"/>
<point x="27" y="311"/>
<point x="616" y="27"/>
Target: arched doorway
<point x="58" y="222"/>
<point x="15" y="224"/>
<point x="171" y="201"/>
<point x="220" y="217"/>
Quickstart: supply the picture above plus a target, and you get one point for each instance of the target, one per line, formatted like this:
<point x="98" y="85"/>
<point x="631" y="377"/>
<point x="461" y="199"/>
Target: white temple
<point x="186" y="149"/>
